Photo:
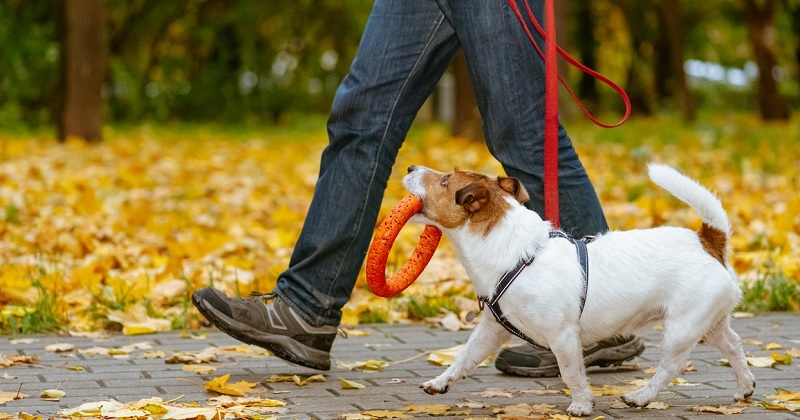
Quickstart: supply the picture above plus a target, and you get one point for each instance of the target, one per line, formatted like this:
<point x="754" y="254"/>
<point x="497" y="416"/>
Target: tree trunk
<point x="761" y="33"/>
<point x="586" y="44"/>
<point x="467" y="120"/>
<point x="793" y="8"/>
<point x="83" y="69"/>
<point x="670" y="16"/>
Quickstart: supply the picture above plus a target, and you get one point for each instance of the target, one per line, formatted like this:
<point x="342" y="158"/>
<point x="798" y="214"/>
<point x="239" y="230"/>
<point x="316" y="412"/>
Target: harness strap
<point x="511" y="275"/>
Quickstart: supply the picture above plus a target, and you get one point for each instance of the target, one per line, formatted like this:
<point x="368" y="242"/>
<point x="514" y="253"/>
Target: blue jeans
<point x="406" y="47"/>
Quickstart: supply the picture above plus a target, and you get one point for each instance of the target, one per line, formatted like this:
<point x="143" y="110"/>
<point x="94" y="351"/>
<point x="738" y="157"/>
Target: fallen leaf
<point x="59" y="347"/>
<point x="10" y="396"/>
<point x="346" y="384"/>
<point x="496" y="392"/>
<point x="386" y="414"/>
<point x="682" y="382"/>
<point x="526" y="410"/>
<point x="356" y="333"/>
<point x="541" y="391"/>
<point x="207" y="355"/>
<point x="301" y="381"/>
<point x="784" y="395"/>
<point x="220" y="385"/>
<point x="657" y="405"/>
<point x="23" y="341"/>
<point x="446" y="356"/>
<point x="772" y="346"/>
<point x="432" y="409"/>
<point x="55" y="394"/>
<point x="784" y="359"/>
<point x="466" y="402"/>
<point x="200" y="369"/>
<point x="356" y="416"/>
<point x="717" y="410"/>
<point x="368" y="366"/>
<point x="6" y="361"/>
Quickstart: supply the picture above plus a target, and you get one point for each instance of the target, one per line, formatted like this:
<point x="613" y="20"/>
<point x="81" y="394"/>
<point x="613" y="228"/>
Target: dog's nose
<point x="412" y="168"/>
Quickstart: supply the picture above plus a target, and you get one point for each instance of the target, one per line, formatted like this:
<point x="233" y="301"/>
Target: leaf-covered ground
<point x="118" y="234"/>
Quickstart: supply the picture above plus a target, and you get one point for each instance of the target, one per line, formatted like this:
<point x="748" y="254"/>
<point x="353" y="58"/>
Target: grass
<point x="751" y="164"/>
<point x="772" y="292"/>
<point x="40" y="319"/>
<point x="427" y="306"/>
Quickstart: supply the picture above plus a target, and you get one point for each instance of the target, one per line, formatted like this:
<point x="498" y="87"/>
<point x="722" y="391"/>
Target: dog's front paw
<point x="636" y="398"/>
<point x="435" y="386"/>
<point x="577" y="409"/>
<point x="743" y="393"/>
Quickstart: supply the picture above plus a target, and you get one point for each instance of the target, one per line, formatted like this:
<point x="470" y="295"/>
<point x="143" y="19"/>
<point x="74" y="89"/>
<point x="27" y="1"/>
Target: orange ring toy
<point x="385" y="236"/>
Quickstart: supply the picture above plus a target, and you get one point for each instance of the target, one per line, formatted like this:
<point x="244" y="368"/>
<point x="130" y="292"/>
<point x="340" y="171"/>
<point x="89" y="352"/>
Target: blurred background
<point x="192" y="130"/>
<point x="75" y="65"/>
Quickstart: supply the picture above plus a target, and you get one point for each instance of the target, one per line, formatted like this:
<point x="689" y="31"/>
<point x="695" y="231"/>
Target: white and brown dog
<point x="668" y="275"/>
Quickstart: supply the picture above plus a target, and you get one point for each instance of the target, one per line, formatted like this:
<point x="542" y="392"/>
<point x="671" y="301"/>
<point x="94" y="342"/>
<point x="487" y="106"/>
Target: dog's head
<point x="451" y="199"/>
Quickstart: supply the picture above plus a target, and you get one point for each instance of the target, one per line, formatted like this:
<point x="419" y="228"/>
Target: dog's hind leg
<point x="724" y="338"/>
<point x="487" y="337"/>
<point x="678" y="342"/>
<point x="569" y="354"/>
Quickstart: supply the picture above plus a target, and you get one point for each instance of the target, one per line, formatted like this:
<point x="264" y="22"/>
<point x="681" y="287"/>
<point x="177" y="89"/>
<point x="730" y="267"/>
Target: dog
<point x="672" y="276"/>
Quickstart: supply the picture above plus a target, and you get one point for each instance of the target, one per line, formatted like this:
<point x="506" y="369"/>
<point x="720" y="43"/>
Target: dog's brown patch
<point x="454" y="197"/>
<point x="714" y="241"/>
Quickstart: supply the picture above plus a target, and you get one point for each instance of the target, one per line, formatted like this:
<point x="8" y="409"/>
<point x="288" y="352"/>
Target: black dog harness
<point x="511" y="275"/>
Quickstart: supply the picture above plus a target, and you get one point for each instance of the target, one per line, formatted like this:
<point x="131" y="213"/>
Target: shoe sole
<point x="613" y="356"/>
<point x="281" y="346"/>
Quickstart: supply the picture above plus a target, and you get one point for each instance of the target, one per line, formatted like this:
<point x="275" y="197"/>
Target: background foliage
<point x="242" y="61"/>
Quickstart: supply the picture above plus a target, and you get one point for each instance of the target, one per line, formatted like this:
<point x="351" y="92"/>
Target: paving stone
<point x="134" y="378"/>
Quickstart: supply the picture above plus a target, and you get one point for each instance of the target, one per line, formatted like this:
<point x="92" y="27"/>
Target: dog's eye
<point x="444" y="180"/>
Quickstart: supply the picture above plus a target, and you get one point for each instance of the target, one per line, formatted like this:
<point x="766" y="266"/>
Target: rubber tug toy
<point x="382" y="243"/>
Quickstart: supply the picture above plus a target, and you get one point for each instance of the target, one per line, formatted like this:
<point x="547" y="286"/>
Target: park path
<point x="487" y="393"/>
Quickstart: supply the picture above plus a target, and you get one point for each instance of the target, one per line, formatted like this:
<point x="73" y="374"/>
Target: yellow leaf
<point x="59" y="347"/>
<point x="55" y="394"/>
<point x="657" y="405"/>
<point x="784" y="395"/>
<point x="446" y="356"/>
<point x="299" y="381"/>
<point x="785" y="359"/>
<point x="369" y="365"/>
<point x="718" y="410"/>
<point x="220" y="385"/>
<point x="356" y="333"/>
<point x="772" y="346"/>
<point x="432" y="409"/>
<point x="200" y="369"/>
<point x="386" y="414"/>
<point x="10" y="396"/>
<point x="346" y="384"/>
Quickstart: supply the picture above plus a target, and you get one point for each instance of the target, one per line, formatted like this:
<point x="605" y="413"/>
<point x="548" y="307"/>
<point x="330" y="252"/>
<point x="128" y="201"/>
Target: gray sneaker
<point x="537" y="361"/>
<point x="269" y="322"/>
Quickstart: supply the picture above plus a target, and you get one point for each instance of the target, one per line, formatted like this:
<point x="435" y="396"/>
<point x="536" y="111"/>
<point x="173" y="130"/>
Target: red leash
<point x="551" y="100"/>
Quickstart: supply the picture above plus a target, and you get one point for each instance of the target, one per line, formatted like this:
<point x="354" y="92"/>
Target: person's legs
<point x="508" y="77"/>
<point x="509" y="81"/>
<point x="405" y="48"/>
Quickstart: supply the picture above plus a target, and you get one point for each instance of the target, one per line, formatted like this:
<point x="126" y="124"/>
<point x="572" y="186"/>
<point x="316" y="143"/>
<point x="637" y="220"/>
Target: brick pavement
<point x="394" y="388"/>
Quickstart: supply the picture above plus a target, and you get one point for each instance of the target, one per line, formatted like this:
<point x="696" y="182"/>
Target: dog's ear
<point x="514" y="187"/>
<point x="474" y="196"/>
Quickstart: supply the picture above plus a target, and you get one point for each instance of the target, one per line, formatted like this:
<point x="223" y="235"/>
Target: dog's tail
<point x="703" y="201"/>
